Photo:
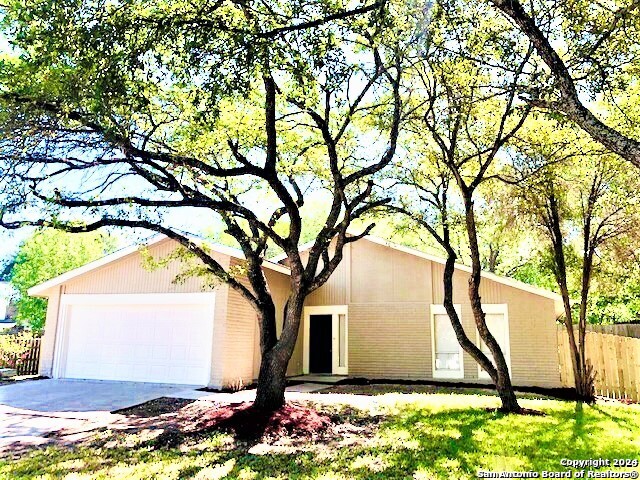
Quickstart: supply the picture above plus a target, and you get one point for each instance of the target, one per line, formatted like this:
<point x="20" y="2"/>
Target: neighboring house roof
<point x="71" y="274"/>
<point x="434" y="258"/>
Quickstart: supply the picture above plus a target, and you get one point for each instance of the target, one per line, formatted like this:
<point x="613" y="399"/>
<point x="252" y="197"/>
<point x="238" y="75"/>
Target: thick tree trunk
<point x="506" y="393"/>
<point x="272" y="379"/>
<point x="505" y="390"/>
<point x="568" y="325"/>
<point x="464" y="341"/>
<point x="585" y="383"/>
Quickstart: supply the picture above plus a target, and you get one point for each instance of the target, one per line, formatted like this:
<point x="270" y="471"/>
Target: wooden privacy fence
<point x="615" y="360"/>
<point x="624" y="329"/>
<point x="26" y="361"/>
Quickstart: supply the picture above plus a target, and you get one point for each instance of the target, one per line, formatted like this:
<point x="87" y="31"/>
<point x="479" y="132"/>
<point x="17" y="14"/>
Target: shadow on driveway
<point x="30" y="411"/>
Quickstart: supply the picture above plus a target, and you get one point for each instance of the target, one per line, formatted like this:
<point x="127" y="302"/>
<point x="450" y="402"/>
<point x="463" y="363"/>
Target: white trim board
<point x="444" y="374"/>
<point x="137" y="298"/>
<point x="335" y="311"/>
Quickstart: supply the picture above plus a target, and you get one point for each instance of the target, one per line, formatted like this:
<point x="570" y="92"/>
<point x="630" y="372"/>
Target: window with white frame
<point x="497" y="318"/>
<point x="447" y="352"/>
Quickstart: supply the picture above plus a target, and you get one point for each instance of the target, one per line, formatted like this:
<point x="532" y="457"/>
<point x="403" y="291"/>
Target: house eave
<point x="43" y="289"/>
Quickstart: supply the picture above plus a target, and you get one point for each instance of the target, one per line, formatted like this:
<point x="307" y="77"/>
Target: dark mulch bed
<point x="247" y="422"/>
<point x="458" y="387"/>
<point x="154" y="408"/>
<point x="12" y="380"/>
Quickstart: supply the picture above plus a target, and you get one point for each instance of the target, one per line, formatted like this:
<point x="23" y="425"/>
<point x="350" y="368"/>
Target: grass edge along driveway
<point x="422" y="436"/>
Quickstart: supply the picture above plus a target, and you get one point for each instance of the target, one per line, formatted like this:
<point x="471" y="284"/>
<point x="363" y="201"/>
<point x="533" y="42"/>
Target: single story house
<point x="379" y="316"/>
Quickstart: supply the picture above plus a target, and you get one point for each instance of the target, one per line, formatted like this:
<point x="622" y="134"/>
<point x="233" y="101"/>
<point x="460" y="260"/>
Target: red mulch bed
<point x="246" y="422"/>
<point x="186" y="417"/>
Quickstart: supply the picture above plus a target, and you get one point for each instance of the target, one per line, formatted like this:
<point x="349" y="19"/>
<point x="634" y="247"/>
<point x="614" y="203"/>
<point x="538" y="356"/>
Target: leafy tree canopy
<point x="47" y="254"/>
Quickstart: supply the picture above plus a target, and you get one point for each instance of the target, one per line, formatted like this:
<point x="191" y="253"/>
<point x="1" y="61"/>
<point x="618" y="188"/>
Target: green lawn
<point x="422" y="436"/>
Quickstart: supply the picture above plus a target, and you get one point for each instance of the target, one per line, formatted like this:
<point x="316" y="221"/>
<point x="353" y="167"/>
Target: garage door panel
<point x="143" y="353"/>
<point x="146" y="342"/>
<point x="196" y="355"/>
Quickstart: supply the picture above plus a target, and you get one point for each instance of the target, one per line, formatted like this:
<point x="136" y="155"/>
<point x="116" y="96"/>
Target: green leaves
<point x="47" y="254"/>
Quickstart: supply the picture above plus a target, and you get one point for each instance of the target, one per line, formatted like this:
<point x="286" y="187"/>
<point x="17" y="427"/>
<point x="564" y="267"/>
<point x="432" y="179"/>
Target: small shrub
<point x="14" y="349"/>
<point x="236" y="385"/>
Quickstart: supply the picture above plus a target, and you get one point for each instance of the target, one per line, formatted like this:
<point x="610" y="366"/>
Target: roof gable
<point x="465" y="268"/>
<point x="40" y="289"/>
<point x="434" y="258"/>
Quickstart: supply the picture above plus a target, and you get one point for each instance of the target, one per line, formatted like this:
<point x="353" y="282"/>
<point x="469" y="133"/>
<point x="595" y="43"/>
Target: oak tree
<point x="116" y="113"/>
<point x="467" y="116"/>
<point x="582" y="199"/>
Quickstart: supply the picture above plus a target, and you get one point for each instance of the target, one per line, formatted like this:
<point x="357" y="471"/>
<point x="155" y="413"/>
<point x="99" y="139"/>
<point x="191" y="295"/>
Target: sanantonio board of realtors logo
<point x="633" y="474"/>
<point x="584" y="468"/>
<point x="506" y="474"/>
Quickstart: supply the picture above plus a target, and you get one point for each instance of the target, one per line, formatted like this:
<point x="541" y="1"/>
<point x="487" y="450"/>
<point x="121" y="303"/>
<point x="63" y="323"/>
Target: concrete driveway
<point x="31" y="410"/>
<point x="81" y="395"/>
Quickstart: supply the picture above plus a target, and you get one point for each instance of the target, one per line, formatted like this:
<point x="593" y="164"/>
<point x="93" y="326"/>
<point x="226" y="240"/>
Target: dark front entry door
<point x="320" y="344"/>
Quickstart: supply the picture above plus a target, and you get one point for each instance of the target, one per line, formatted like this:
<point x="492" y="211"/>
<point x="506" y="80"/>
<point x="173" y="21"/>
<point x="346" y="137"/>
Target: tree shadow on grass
<point x="446" y="443"/>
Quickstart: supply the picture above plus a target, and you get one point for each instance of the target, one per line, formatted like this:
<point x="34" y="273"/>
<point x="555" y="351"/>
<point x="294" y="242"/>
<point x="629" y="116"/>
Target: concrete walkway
<point x="242" y="395"/>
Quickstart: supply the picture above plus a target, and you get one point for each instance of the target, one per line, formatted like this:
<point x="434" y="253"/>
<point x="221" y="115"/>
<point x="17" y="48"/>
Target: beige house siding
<point x="336" y="290"/>
<point x="388" y="292"/>
<point x="533" y="338"/>
<point x="533" y="344"/>
<point x="235" y="334"/>
<point x="389" y="334"/>
<point x="390" y="318"/>
<point x="238" y="340"/>
<point x="128" y="275"/>
<point x="242" y="335"/>
<point x="218" y="356"/>
<point x="390" y="340"/>
<point x="382" y="275"/>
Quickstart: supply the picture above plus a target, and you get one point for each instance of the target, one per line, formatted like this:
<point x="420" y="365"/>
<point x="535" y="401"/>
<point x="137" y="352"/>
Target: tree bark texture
<point x="582" y="370"/>
<point x="501" y="375"/>
<point x="504" y="388"/>
<point x="277" y="353"/>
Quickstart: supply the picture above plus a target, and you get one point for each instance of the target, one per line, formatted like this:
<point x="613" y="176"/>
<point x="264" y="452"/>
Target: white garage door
<point x="143" y="338"/>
